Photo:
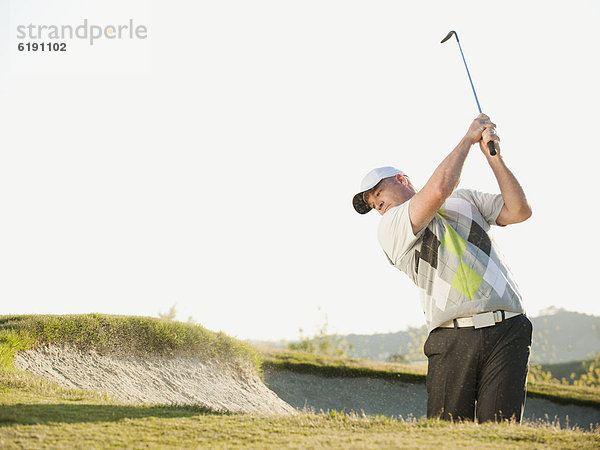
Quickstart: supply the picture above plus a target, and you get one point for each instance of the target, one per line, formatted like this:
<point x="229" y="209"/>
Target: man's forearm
<point x="438" y="188"/>
<point x="516" y="208"/>
<point x="425" y="204"/>
<point x="446" y="176"/>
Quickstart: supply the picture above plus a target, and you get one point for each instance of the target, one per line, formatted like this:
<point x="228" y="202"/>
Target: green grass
<point x="137" y="336"/>
<point x="49" y="421"/>
<point x="108" y="334"/>
<point x="566" y="394"/>
<point x="330" y="366"/>
<point x="35" y="413"/>
<point x="570" y="371"/>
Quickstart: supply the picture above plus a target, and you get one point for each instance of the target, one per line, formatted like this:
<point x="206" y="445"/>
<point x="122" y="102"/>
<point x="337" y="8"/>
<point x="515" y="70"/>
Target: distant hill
<point x="558" y="336"/>
<point x="561" y="336"/>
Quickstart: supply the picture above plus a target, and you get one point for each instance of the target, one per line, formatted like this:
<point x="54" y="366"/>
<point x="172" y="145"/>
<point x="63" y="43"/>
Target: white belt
<point x="480" y="320"/>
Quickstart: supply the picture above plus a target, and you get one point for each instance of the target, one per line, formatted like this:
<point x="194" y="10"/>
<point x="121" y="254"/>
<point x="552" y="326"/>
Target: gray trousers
<point x="478" y="372"/>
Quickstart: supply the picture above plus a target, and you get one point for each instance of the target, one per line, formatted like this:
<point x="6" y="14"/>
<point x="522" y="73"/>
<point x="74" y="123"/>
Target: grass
<point x="330" y="366"/>
<point x="35" y="413"/>
<point x="49" y="421"/>
<point x="108" y="334"/>
<point x="565" y="394"/>
<point x="137" y="336"/>
<point x="574" y="371"/>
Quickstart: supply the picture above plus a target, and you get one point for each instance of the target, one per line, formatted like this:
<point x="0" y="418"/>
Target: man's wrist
<point x="495" y="160"/>
<point x="496" y="163"/>
<point x="467" y="140"/>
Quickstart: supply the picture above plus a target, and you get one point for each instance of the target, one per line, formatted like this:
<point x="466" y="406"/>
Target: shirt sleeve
<point x="489" y="205"/>
<point x="395" y="233"/>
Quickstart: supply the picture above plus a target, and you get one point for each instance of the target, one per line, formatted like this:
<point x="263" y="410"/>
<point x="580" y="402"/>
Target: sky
<point x="211" y="164"/>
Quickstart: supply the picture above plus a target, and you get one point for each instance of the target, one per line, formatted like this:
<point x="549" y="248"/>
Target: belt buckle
<point x="483" y="320"/>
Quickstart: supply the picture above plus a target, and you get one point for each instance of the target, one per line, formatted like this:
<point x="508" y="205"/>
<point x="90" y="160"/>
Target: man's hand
<point x="477" y="127"/>
<point x="489" y="134"/>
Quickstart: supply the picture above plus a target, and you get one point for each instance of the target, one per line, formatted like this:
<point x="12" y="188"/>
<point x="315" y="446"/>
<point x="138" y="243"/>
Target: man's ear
<point x="401" y="179"/>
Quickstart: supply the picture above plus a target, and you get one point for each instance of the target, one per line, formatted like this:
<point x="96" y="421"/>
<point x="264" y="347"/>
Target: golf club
<point x="491" y="145"/>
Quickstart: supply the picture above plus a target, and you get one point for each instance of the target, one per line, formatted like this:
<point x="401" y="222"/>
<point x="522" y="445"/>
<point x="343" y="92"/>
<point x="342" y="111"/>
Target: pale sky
<point x="212" y="165"/>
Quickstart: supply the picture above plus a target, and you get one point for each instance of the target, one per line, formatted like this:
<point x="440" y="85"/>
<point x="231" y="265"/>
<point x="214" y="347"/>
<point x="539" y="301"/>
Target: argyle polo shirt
<point x="453" y="260"/>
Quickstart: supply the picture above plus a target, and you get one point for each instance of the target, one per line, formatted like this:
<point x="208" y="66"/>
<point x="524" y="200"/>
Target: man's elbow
<point x="522" y="214"/>
<point x="509" y="217"/>
<point x="443" y="190"/>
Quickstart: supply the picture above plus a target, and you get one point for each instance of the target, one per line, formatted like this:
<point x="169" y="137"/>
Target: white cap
<point x="369" y="181"/>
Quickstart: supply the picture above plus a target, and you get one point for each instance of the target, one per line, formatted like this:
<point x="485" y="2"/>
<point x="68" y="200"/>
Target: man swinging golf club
<point x="479" y="338"/>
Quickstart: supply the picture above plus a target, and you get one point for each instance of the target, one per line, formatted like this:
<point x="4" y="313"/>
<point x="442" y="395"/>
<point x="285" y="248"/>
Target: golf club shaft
<point x="468" y="74"/>
<point x="491" y="145"/>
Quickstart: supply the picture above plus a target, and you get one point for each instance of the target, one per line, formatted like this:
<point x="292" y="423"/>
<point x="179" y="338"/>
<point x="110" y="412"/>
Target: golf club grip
<point x="492" y="148"/>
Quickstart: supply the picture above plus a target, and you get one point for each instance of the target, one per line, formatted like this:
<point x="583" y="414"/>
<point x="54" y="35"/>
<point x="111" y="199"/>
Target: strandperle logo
<point x="84" y="31"/>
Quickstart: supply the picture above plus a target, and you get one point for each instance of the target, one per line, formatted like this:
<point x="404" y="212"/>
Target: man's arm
<point x="425" y="203"/>
<point x="516" y="208"/>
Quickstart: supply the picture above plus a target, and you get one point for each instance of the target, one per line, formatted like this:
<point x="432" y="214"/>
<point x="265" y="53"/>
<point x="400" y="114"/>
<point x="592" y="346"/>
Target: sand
<point x="156" y="380"/>
<point x="397" y="399"/>
<point x="222" y="387"/>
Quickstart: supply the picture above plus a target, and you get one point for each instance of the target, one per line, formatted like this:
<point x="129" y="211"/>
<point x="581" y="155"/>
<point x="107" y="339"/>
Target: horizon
<point x="547" y="312"/>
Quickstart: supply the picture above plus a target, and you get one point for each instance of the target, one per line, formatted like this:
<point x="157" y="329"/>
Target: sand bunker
<point x="155" y="380"/>
<point x="394" y="398"/>
<point x="189" y="381"/>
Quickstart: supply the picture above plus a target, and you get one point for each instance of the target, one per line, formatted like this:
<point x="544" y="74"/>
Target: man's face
<point x="388" y="193"/>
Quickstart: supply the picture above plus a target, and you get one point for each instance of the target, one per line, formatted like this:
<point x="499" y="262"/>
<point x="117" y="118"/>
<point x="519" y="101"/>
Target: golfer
<point x="479" y="337"/>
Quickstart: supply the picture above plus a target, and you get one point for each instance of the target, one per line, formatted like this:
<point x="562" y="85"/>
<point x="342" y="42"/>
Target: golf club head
<point x="449" y="35"/>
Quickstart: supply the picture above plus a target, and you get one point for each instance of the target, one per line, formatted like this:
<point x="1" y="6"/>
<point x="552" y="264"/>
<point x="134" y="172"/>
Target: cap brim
<point x="359" y="204"/>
